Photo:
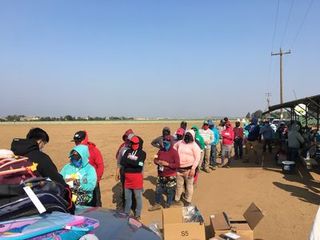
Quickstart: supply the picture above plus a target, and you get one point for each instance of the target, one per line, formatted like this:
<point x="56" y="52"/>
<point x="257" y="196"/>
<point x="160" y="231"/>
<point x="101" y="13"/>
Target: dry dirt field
<point x="289" y="202"/>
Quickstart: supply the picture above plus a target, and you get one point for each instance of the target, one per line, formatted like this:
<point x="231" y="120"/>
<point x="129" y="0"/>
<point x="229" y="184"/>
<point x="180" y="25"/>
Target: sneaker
<point x="177" y="204"/>
<point x="167" y="205"/>
<point x="206" y="170"/>
<point x="155" y="207"/>
<point x="187" y="204"/>
<point x="212" y="167"/>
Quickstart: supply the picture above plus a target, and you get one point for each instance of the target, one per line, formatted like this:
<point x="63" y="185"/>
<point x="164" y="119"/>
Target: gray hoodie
<point x="294" y="137"/>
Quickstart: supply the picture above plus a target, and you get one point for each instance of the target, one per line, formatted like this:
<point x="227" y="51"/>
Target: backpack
<point x="16" y="169"/>
<point x="14" y="202"/>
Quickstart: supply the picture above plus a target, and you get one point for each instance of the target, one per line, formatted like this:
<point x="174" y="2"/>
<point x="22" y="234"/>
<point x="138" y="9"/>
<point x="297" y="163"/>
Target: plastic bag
<point x="192" y="214"/>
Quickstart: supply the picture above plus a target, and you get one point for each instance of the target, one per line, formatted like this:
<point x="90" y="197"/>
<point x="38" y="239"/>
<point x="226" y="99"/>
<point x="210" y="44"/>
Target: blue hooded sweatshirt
<point x="215" y="133"/>
<point x="85" y="174"/>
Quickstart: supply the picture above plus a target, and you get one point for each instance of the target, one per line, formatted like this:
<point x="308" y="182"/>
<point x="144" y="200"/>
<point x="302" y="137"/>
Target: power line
<point x="273" y="37"/>
<point x="275" y="25"/>
<point x="287" y="23"/>
<point x="302" y="23"/>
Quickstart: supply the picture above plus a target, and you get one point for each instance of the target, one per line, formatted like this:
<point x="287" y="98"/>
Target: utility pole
<point x="281" y="82"/>
<point x="268" y="95"/>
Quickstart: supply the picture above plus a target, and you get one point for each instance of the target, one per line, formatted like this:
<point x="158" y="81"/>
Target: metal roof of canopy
<point x="312" y="104"/>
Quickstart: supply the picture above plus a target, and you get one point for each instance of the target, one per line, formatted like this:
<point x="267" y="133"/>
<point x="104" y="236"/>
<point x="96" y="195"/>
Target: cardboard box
<point x="242" y="226"/>
<point x="175" y="228"/>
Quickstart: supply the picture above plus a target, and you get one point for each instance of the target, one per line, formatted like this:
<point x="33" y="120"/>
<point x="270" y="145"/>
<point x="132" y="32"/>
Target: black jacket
<point x="30" y="149"/>
<point x="136" y="165"/>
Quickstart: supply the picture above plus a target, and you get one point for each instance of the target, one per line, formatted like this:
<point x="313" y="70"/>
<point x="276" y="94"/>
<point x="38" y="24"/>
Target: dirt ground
<point x="289" y="202"/>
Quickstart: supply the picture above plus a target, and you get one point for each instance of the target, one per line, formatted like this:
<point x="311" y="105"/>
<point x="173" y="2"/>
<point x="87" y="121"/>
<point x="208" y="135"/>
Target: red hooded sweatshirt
<point x="171" y="157"/>
<point x="227" y="136"/>
<point x="95" y="158"/>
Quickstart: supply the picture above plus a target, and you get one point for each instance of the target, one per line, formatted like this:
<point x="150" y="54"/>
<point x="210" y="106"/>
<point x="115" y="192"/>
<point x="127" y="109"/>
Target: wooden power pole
<point x="281" y="81"/>
<point x="268" y="95"/>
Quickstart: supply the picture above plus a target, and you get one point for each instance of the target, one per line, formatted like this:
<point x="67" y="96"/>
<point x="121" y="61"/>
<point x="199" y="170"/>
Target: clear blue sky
<point x="154" y="58"/>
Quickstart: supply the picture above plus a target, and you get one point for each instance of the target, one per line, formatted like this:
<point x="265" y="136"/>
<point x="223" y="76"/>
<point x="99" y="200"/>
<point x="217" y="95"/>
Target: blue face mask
<point x="166" y="145"/>
<point x="76" y="162"/>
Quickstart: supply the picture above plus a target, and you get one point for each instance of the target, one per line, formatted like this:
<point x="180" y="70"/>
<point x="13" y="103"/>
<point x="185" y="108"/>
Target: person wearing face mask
<point x="95" y="159"/>
<point x="208" y="137"/>
<point x="119" y="176"/>
<point x="227" y="142"/>
<point x="238" y="140"/>
<point x="167" y="161"/>
<point x="32" y="147"/>
<point x="80" y="175"/>
<point x="158" y="142"/>
<point x="179" y="134"/>
<point x="214" y="143"/>
<point x="189" y="155"/>
<point x="132" y="163"/>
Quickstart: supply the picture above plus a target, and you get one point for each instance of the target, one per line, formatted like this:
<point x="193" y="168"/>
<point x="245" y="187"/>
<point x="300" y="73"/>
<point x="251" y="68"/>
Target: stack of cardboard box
<point x="227" y="227"/>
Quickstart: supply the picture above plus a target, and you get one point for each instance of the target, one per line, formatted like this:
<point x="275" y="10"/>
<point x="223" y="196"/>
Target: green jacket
<point x="199" y="138"/>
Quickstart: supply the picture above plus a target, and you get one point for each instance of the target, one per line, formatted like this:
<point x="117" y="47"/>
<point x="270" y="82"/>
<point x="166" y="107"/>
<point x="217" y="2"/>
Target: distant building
<point x="29" y="118"/>
<point x="140" y="118"/>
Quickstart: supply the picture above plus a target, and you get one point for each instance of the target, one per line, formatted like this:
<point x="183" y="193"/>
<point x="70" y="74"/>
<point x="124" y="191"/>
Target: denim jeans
<point x="169" y="191"/>
<point x="128" y="197"/>
<point x="213" y="155"/>
<point x="267" y="142"/>
<point x="238" y="147"/>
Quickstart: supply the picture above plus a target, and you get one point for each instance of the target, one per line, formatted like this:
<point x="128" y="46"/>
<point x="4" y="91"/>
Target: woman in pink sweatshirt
<point x="189" y="155"/>
<point x="227" y="142"/>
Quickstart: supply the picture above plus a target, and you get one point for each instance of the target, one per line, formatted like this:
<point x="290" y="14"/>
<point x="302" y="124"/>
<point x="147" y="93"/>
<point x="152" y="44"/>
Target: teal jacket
<point x="85" y="174"/>
<point x="216" y="136"/>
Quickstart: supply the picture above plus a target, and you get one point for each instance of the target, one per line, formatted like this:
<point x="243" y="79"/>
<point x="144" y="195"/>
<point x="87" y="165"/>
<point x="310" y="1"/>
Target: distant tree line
<point x="23" y="118"/>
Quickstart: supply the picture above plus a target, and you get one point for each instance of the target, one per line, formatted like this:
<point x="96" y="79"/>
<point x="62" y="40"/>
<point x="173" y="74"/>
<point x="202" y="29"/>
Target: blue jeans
<point x="128" y="200"/>
<point x="238" y="147"/>
<point x="213" y="155"/>
<point x="171" y="192"/>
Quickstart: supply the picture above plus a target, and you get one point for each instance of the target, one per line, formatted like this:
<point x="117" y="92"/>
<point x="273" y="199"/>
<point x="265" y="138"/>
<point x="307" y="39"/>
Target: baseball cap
<point x="79" y="136"/>
<point x="210" y="122"/>
<point x="134" y="140"/>
<point x="166" y="131"/>
<point x="205" y="122"/>
<point x="180" y="131"/>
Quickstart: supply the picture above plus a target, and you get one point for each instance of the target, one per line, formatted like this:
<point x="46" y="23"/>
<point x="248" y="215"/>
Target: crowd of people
<point x="180" y="158"/>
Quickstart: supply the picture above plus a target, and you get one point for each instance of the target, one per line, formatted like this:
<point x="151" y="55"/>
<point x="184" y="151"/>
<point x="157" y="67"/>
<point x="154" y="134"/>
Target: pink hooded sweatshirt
<point x="189" y="153"/>
<point x="227" y="136"/>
